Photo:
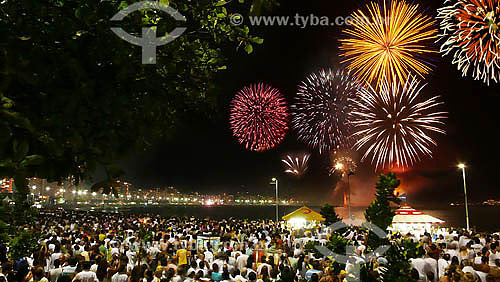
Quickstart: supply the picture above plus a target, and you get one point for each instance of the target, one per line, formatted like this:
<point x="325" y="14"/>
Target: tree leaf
<point x="221" y="3"/>
<point x="248" y="48"/>
<point x="20" y="149"/>
<point x="32" y="160"/>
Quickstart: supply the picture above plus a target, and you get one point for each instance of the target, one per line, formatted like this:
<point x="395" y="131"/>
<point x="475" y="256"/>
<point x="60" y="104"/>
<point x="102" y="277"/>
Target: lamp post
<point x="349" y="173"/>
<point x="462" y="167"/>
<point x="349" y="170"/>
<point x="275" y="182"/>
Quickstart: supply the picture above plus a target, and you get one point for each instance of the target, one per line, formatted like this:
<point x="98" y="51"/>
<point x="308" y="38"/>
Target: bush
<point x="24" y="244"/>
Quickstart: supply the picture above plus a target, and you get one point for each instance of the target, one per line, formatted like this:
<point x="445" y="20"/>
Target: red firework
<point x="259" y="117"/>
<point x="470" y="30"/>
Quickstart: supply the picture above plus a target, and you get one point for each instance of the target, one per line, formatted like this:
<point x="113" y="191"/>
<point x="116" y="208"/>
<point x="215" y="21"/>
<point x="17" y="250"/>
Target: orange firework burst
<point x="388" y="42"/>
<point x="470" y="29"/>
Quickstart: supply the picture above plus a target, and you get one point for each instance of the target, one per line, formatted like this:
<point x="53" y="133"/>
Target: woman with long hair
<point x="136" y="275"/>
<point x="102" y="270"/>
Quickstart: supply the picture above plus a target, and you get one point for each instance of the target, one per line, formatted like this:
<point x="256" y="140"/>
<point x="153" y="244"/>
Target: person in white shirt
<point x="209" y="256"/>
<point x="419" y="265"/>
<point x="55" y="255"/>
<point x="240" y="276"/>
<point x="443" y="263"/>
<point x="452" y="251"/>
<point x="121" y="275"/>
<point x="86" y="275"/>
<point x="241" y="261"/>
<point x="56" y="272"/>
<point x="493" y="254"/>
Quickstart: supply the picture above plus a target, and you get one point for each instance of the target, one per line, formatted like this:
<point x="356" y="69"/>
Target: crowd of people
<point x="91" y="247"/>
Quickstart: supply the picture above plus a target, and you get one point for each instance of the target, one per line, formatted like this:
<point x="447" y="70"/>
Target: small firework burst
<point x="343" y="165"/>
<point x="470" y="31"/>
<point x="321" y="108"/>
<point x="259" y="117"/>
<point x="296" y="164"/>
<point x="392" y="41"/>
<point x="393" y="125"/>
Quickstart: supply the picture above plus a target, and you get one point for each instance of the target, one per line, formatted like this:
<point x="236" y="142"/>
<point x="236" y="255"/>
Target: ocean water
<point x="484" y="218"/>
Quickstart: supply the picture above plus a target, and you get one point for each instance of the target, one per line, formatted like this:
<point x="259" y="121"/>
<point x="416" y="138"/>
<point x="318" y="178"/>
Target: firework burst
<point x="390" y="41"/>
<point x="343" y="165"/>
<point x="470" y="30"/>
<point x="321" y="108"/>
<point x="393" y="126"/>
<point x="296" y="164"/>
<point x="259" y="117"/>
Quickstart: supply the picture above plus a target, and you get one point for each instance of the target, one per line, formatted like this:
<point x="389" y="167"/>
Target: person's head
<point x="484" y="260"/>
<point x="37" y="273"/>
<point x="484" y="251"/>
<point x="86" y="265"/>
<point x="451" y="271"/>
<point x="497" y="262"/>
<point x="181" y="270"/>
<point x="57" y="263"/>
<point x="414" y="274"/>
<point x="64" y="278"/>
<point x="314" y="277"/>
<point x="455" y="261"/>
<point x="252" y="276"/>
<point x="122" y="268"/>
<point x="430" y="276"/>
<point x="193" y="263"/>
<point x="264" y="272"/>
<point x="170" y="273"/>
<point x="215" y="267"/>
<point x="7" y="267"/>
<point x="446" y="257"/>
<point x="136" y="273"/>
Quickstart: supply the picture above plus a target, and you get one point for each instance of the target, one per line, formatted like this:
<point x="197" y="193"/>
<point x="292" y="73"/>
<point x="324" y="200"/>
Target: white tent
<point x="410" y="219"/>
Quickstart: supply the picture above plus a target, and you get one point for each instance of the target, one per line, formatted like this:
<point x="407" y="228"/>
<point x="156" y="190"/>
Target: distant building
<point x="6" y="185"/>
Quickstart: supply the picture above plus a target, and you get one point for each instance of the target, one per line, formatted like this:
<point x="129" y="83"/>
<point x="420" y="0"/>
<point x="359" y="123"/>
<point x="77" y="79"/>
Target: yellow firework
<point x="391" y="41"/>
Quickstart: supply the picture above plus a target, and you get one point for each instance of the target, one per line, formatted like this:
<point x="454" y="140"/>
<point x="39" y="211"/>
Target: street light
<point x="462" y="167"/>
<point x="275" y="182"/>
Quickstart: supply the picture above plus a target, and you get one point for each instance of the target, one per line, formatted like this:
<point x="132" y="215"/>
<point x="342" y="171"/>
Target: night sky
<point x="202" y="155"/>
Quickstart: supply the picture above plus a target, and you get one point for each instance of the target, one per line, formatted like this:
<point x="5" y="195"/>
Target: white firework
<point x="393" y="126"/>
<point x="296" y="164"/>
